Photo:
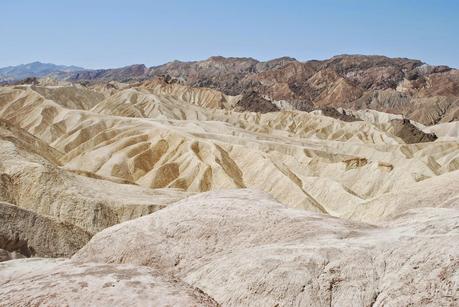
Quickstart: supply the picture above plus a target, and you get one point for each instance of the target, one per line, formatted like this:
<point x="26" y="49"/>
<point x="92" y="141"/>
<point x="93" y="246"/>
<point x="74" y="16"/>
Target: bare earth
<point x="161" y="193"/>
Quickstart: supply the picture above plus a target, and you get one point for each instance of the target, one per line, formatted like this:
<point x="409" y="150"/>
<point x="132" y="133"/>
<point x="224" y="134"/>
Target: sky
<point x="104" y="34"/>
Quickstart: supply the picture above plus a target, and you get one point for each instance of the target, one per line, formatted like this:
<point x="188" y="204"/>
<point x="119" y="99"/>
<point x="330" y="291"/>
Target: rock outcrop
<point x="59" y="283"/>
<point x="31" y="234"/>
<point x="244" y="248"/>
<point x="409" y="133"/>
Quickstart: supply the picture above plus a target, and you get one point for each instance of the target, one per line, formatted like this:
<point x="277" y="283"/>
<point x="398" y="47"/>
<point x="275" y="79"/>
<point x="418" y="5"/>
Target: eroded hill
<point x="330" y="206"/>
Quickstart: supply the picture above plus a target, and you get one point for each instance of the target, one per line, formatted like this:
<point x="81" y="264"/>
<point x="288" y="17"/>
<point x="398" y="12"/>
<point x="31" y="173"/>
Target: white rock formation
<point x="56" y="282"/>
<point x="245" y="249"/>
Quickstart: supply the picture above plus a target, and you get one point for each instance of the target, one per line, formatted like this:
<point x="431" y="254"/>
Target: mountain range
<point x="34" y="69"/>
<point x="425" y="93"/>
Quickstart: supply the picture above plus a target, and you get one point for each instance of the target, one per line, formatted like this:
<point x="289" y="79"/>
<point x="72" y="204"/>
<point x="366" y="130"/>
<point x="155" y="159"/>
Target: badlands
<point x="231" y="182"/>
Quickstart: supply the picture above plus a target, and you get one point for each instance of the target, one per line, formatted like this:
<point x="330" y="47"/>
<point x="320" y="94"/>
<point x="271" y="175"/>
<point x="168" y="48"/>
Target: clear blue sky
<point x="102" y="33"/>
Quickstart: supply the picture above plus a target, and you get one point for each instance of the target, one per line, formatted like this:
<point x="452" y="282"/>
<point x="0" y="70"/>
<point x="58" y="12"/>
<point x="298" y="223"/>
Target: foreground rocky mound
<point x="243" y="248"/>
<point x="55" y="282"/>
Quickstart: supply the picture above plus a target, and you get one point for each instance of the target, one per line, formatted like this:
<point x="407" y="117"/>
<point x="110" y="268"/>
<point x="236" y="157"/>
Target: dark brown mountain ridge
<point x="425" y="93"/>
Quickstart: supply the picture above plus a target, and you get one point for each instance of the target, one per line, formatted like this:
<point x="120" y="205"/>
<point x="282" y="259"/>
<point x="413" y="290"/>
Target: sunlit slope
<point x="243" y="248"/>
<point x="32" y="179"/>
<point x="309" y="161"/>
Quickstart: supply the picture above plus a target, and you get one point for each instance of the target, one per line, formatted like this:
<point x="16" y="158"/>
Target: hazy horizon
<point x="202" y="59"/>
<point x="108" y="34"/>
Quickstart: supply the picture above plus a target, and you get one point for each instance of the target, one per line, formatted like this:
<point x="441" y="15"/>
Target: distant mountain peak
<point x="34" y="69"/>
